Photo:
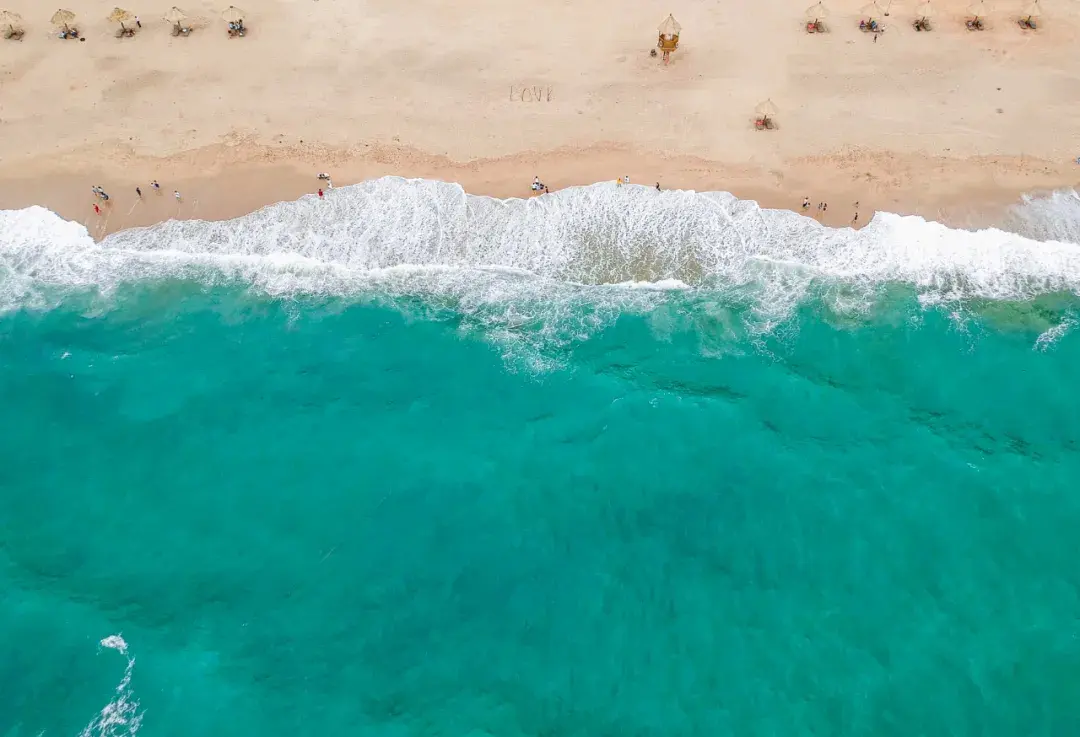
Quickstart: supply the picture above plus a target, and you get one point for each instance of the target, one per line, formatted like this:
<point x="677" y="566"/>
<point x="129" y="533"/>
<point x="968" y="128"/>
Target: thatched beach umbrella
<point x="979" y="9"/>
<point x="174" y="15"/>
<point x="923" y="11"/>
<point x="1031" y="10"/>
<point x="871" y="11"/>
<point x="817" y="12"/>
<point x="121" y="16"/>
<point x="11" y="20"/>
<point x="232" y="14"/>
<point x="670" y="27"/>
<point x="63" y="18"/>
<point x="765" y="112"/>
<point x="669" y="36"/>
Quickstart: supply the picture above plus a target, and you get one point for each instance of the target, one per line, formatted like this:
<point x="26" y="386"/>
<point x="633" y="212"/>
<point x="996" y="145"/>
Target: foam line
<point x="422" y="237"/>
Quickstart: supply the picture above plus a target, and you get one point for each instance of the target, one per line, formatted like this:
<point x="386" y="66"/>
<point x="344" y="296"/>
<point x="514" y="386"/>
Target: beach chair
<point x="815" y="26"/>
<point x="14" y="34"/>
<point x="1028" y="24"/>
<point x="764" y="123"/>
<point x="974" y="24"/>
<point x="180" y="30"/>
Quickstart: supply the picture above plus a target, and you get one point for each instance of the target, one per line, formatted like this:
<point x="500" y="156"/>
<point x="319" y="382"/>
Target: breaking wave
<point x="562" y="264"/>
<point x="120" y="717"/>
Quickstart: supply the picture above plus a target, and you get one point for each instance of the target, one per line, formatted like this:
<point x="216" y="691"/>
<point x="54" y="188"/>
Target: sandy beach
<point x="942" y="124"/>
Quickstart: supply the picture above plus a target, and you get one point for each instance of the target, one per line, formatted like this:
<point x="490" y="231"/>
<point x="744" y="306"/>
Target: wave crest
<point x="395" y="237"/>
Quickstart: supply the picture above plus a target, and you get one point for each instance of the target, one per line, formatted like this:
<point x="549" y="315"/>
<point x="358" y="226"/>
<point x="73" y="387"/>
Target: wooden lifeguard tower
<point x="669" y="37"/>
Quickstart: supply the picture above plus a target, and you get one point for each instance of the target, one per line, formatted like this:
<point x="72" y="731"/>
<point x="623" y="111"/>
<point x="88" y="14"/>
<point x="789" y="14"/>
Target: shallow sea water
<point x="228" y="511"/>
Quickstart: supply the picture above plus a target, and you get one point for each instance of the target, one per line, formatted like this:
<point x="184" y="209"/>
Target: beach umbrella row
<point x="65" y="18"/>
<point x="978" y="9"/>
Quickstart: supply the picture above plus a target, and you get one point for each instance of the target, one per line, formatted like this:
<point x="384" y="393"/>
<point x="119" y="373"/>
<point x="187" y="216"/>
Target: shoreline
<point x="226" y="181"/>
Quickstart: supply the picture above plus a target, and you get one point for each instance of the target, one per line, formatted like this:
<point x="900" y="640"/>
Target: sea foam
<point x="595" y="246"/>
<point x="121" y="717"/>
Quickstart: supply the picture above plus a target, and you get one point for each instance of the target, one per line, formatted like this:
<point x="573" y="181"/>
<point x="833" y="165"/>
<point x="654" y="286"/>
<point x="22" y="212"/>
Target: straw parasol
<point x="174" y="15"/>
<point x="978" y="9"/>
<point x="817" y="12"/>
<point x="871" y="11"/>
<point x="9" y="19"/>
<point x="232" y="14"/>
<point x="766" y="110"/>
<point x="63" y="18"/>
<point x="670" y="27"/>
<point x="121" y="16"/>
<point x="1032" y="10"/>
<point x="923" y="11"/>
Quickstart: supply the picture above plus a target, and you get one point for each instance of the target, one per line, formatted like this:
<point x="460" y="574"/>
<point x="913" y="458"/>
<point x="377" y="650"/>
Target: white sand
<point x="427" y="88"/>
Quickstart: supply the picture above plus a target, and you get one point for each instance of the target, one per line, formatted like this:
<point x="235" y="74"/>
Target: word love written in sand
<point x="534" y="93"/>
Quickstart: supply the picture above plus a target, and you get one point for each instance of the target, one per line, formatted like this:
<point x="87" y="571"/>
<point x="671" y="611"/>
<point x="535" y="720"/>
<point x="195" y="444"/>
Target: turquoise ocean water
<point x="729" y="474"/>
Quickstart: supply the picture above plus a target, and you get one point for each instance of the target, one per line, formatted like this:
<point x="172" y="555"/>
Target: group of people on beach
<point x="102" y="195"/>
<point x="538" y="186"/>
<point x="823" y="207"/>
<point x="156" y="187"/>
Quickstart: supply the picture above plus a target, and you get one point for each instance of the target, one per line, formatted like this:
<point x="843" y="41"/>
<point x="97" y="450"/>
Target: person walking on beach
<point x="176" y="194"/>
<point x="805" y="203"/>
<point x="658" y="186"/>
<point x="320" y="193"/>
<point x="155" y="185"/>
<point x="138" y="22"/>
<point x="97" y="210"/>
<point x="626" y="179"/>
<point x="138" y="193"/>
